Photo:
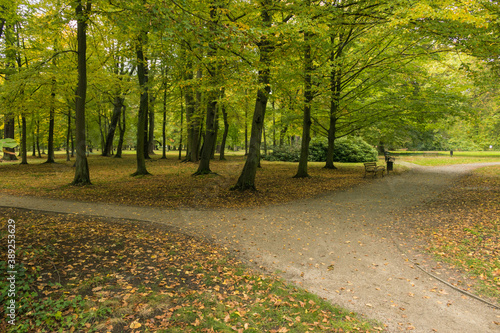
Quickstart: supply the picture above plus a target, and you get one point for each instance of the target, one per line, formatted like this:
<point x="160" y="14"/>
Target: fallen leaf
<point x="135" y="324"/>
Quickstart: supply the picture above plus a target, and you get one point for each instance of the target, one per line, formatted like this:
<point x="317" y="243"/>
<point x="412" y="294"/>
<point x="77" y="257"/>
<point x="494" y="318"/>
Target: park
<point x="148" y="256"/>
<point x="249" y="166"/>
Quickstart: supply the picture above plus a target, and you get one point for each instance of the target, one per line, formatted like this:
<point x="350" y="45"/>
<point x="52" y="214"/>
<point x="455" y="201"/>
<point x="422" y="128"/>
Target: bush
<point x="352" y="150"/>
<point x="318" y="149"/>
<point x="284" y="154"/>
<point x="349" y="150"/>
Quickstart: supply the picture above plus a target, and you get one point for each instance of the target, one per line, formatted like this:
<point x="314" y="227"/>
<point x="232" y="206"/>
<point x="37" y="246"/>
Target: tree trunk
<point x="72" y="144"/>
<point x="68" y="134"/>
<point x="115" y="118"/>
<point x="34" y="142"/>
<point x="210" y="135"/>
<point x="246" y="128"/>
<point x="182" y="127"/>
<point x="142" y="73"/>
<point x="2" y="24"/>
<point x="191" y="117"/>
<point x="196" y="122"/>
<point x="381" y="148"/>
<point x="102" y="128"/>
<point x="146" y="133"/>
<point x="212" y="105"/>
<point x="283" y="131"/>
<point x="308" y="97"/>
<point x="216" y="129"/>
<point x="9" y="122"/>
<point x="274" y="125"/>
<point x="265" y="140"/>
<point x="24" y="148"/>
<point x="82" y="174"/>
<point x="33" y="133"/>
<point x="122" y="128"/>
<point x="224" y="135"/>
<point x="50" y="142"/>
<point x="38" y="138"/>
<point x="9" y="133"/>
<point x="164" y="124"/>
<point x="335" y="90"/>
<point x="190" y="107"/>
<point x="331" y="142"/>
<point x="151" y="127"/>
<point x="246" y="180"/>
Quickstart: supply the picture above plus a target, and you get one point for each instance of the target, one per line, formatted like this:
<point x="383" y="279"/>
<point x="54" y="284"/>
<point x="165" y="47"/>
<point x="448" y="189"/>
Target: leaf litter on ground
<point x="461" y="230"/>
<point x="86" y="274"/>
<point x="172" y="185"/>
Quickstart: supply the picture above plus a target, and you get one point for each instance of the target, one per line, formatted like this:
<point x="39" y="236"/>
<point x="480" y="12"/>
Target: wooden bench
<point x="373" y="168"/>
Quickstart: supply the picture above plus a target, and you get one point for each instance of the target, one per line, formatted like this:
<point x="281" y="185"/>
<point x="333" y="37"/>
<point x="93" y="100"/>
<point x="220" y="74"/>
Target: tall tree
<point x="52" y="111"/>
<point x="192" y="109"/>
<point x="118" y="102"/>
<point x="213" y="94"/>
<point x="142" y="74"/>
<point x="9" y="123"/>
<point x="122" y="127"/>
<point x="226" y="130"/>
<point x="246" y="181"/>
<point x="308" y="97"/>
<point x="82" y="174"/>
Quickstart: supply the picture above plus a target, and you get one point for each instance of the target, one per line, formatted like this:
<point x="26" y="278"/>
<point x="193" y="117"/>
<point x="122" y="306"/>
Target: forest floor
<point x="359" y="246"/>
<point x="171" y="184"/>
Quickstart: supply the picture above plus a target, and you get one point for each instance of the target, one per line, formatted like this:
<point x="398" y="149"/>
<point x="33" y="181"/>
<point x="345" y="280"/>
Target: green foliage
<point x="348" y="150"/>
<point x="353" y="150"/>
<point x="8" y="143"/>
<point x="285" y="154"/>
<point x="48" y="313"/>
<point x="318" y="149"/>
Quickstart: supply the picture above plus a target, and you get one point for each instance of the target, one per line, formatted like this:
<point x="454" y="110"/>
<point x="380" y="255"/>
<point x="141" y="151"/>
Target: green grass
<point x="489" y="172"/>
<point x="468" y="235"/>
<point x="437" y="158"/>
<point x="474" y="254"/>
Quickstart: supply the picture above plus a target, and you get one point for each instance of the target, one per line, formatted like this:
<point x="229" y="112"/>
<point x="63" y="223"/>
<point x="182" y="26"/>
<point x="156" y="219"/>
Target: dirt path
<point x="338" y="246"/>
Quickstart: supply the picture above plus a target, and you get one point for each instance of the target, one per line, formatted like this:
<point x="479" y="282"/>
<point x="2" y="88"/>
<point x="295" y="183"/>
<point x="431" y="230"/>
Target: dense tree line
<point x="200" y="75"/>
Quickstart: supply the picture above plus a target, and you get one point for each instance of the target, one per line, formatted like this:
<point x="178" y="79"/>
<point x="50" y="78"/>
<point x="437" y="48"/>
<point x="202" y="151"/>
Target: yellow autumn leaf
<point x="135" y="324"/>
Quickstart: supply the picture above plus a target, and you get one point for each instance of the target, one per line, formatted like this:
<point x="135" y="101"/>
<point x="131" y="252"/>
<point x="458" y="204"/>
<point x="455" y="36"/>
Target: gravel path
<point x="338" y="246"/>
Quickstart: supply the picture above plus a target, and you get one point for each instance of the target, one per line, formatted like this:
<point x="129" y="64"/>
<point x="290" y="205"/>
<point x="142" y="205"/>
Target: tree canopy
<point x="199" y="76"/>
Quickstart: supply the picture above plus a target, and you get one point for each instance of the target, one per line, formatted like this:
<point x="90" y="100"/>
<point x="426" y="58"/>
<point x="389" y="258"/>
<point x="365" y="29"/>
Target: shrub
<point x="318" y="149"/>
<point x="350" y="150"/>
<point x="284" y="154"/>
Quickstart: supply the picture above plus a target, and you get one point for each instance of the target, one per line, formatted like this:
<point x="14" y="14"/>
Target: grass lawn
<point x="462" y="228"/>
<point x="435" y="158"/>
